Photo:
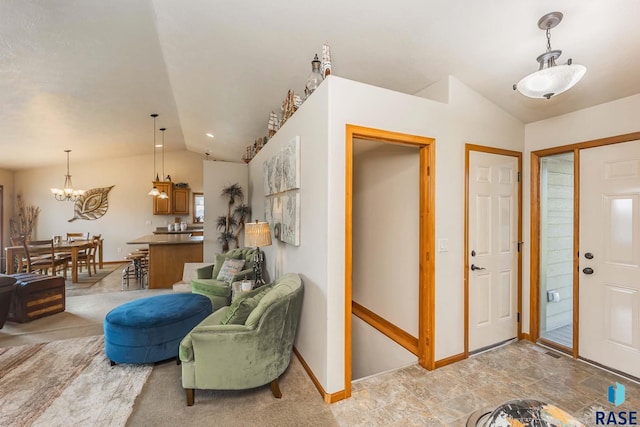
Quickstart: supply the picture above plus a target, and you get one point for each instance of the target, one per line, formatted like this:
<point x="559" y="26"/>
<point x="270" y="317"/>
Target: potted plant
<point x="231" y="224"/>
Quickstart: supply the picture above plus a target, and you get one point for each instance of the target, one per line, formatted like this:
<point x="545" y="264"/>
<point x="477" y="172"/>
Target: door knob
<point x="474" y="268"/>
<point x="588" y="255"/>
<point x="587" y="270"/>
<point x="473" y="253"/>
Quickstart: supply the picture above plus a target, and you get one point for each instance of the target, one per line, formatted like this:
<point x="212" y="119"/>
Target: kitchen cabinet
<point x="177" y="202"/>
<point x="181" y="201"/>
<point x="163" y="206"/>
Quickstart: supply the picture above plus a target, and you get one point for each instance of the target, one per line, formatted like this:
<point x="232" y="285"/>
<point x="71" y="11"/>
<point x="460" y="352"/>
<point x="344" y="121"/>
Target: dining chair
<point x="41" y="257"/>
<point x="88" y="257"/>
<point x="20" y="260"/>
<point x="78" y="236"/>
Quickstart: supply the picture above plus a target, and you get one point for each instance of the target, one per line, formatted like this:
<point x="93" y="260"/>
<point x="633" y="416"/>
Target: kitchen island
<point x="167" y="255"/>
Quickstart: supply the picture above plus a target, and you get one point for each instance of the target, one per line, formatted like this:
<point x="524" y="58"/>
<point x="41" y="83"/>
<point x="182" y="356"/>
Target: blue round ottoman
<point x="150" y="329"/>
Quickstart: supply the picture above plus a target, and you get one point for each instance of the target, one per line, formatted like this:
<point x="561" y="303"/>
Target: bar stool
<point x="137" y="269"/>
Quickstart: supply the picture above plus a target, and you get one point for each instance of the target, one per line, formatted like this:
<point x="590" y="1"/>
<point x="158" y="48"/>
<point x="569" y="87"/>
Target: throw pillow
<point x="242" y="307"/>
<point x="230" y="268"/>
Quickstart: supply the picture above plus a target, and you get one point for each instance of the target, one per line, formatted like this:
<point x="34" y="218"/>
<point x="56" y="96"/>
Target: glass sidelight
<point x="556" y="248"/>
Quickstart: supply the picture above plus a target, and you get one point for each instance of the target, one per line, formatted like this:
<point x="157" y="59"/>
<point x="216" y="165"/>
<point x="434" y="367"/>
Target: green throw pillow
<point x="242" y="306"/>
<point x="205" y="272"/>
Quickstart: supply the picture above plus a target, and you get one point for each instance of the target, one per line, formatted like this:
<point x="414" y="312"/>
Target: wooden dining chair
<point x="41" y="257"/>
<point x="78" y="236"/>
<point x="88" y="257"/>
<point x="20" y="260"/>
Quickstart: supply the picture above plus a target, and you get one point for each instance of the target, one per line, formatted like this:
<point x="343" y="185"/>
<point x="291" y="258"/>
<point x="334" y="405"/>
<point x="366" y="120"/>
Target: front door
<point x="609" y="266"/>
<point x="493" y="249"/>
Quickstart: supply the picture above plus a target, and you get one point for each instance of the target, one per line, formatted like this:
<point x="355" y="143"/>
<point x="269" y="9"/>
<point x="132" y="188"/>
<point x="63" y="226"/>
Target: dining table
<point x="72" y="247"/>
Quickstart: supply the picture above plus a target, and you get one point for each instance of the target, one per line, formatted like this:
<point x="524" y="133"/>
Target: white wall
<point x="130" y="213"/>
<point x="217" y="175"/>
<point x="609" y="119"/>
<point x="310" y="259"/>
<point x="320" y="123"/>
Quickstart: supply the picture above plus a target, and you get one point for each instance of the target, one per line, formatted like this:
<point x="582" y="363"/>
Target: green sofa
<point x="219" y="292"/>
<point x="244" y="353"/>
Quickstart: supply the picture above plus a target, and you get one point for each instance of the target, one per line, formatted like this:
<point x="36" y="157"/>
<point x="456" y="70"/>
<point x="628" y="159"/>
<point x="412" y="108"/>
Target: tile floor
<point x="447" y="396"/>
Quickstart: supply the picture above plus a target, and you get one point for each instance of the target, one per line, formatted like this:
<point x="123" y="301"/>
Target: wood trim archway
<point x="492" y="150"/>
<point x="426" y="311"/>
<point x="534" y="275"/>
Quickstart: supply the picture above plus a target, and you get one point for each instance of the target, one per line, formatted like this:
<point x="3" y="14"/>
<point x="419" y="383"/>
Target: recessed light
<point x="210" y="135"/>
<point x="158" y="145"/>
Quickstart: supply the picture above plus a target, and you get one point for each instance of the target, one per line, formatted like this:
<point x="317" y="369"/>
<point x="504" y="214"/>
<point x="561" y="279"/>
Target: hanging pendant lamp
<point x="154" y="191"/>
<point x="67" y="194"/>
<point x="163" y="194"/>
<point x="550" y="79"/>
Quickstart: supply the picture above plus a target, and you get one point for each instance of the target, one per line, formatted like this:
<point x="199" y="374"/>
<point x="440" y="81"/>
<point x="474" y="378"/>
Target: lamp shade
<point x="551" y="81"/>
<point x="257" y="234"/>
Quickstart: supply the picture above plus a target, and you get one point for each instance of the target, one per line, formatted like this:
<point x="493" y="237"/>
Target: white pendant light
<point x="163" y="194"/>
<point x="154" y="191"/>
<point x="550" y="79"/>
<point x="67" y="194"/>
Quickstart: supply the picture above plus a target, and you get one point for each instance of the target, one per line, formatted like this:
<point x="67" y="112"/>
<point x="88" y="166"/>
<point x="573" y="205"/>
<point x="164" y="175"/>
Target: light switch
<point x="443" y="245"/>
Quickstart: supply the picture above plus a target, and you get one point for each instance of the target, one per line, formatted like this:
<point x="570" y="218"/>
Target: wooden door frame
<point x="468" y="148"/>
<point x="426" y="299"/>
<point x="534" y="273"/>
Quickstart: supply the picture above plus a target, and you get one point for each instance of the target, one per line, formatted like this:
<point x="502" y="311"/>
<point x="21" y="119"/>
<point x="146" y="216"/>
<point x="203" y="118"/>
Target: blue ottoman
<point x="150" y="329"/>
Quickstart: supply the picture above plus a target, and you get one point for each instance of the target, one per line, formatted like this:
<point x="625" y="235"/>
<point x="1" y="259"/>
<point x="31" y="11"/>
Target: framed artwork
<point x="290" y="155"/>
<point x="273" y="215"/>
<point x="272" y="178"/>
<point x="281" y="172"/>
<point x="290" y="232"/>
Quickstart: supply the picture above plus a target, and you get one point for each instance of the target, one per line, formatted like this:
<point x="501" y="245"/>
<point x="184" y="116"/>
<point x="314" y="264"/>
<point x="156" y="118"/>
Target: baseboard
<point x="327" y="397"/>
<point x="449" y="360"/>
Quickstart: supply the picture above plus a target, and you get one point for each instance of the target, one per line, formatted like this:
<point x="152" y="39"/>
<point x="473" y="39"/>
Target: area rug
<point x="85" y="281"/>
<point x="66" y="383"/>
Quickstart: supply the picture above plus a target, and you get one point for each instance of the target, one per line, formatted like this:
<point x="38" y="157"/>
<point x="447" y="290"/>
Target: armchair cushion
<point x="244" y="305"/>
<point x="230" y="267"/>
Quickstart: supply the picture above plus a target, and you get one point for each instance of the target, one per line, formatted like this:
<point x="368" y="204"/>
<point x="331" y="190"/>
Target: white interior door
<point x="493" y="251"/>
<point x="610" y="247"/>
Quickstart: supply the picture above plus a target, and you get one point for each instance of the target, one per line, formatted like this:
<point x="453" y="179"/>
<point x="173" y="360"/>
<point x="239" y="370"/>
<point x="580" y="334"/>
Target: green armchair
<point x="243" y="353"/>
<point x="218" y="291"/>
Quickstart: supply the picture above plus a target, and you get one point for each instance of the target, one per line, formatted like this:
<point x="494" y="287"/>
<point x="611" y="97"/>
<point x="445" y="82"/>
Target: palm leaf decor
<point x="92" y="204"/>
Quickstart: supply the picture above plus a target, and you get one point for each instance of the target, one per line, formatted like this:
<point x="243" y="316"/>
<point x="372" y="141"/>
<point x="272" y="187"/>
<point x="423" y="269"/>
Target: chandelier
<point x="67" y="194"/>
<point x="550" y="79"/>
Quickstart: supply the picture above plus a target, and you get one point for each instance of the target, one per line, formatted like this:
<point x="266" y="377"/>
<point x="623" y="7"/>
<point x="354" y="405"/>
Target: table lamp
<point x="257" y="234"/>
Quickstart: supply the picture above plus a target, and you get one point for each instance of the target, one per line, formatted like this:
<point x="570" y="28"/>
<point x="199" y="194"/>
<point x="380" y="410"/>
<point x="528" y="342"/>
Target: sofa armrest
<point x="211" y="287"/>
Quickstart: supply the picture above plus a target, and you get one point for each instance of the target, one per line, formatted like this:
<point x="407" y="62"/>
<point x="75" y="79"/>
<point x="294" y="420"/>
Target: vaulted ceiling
<point x="85" y="74"/>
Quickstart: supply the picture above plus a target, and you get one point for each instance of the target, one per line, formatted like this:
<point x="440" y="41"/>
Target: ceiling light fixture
<point x="550" y="79"/>
<point x="210" y="135"/>
<point x="154" y="191"/>
<point x="67" y="194"/>
<point x="163" y="194"/>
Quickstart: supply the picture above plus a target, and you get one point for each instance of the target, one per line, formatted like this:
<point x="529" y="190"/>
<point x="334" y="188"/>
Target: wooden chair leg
<point x="275" y="389"/>
<point x="190" y="396"/>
